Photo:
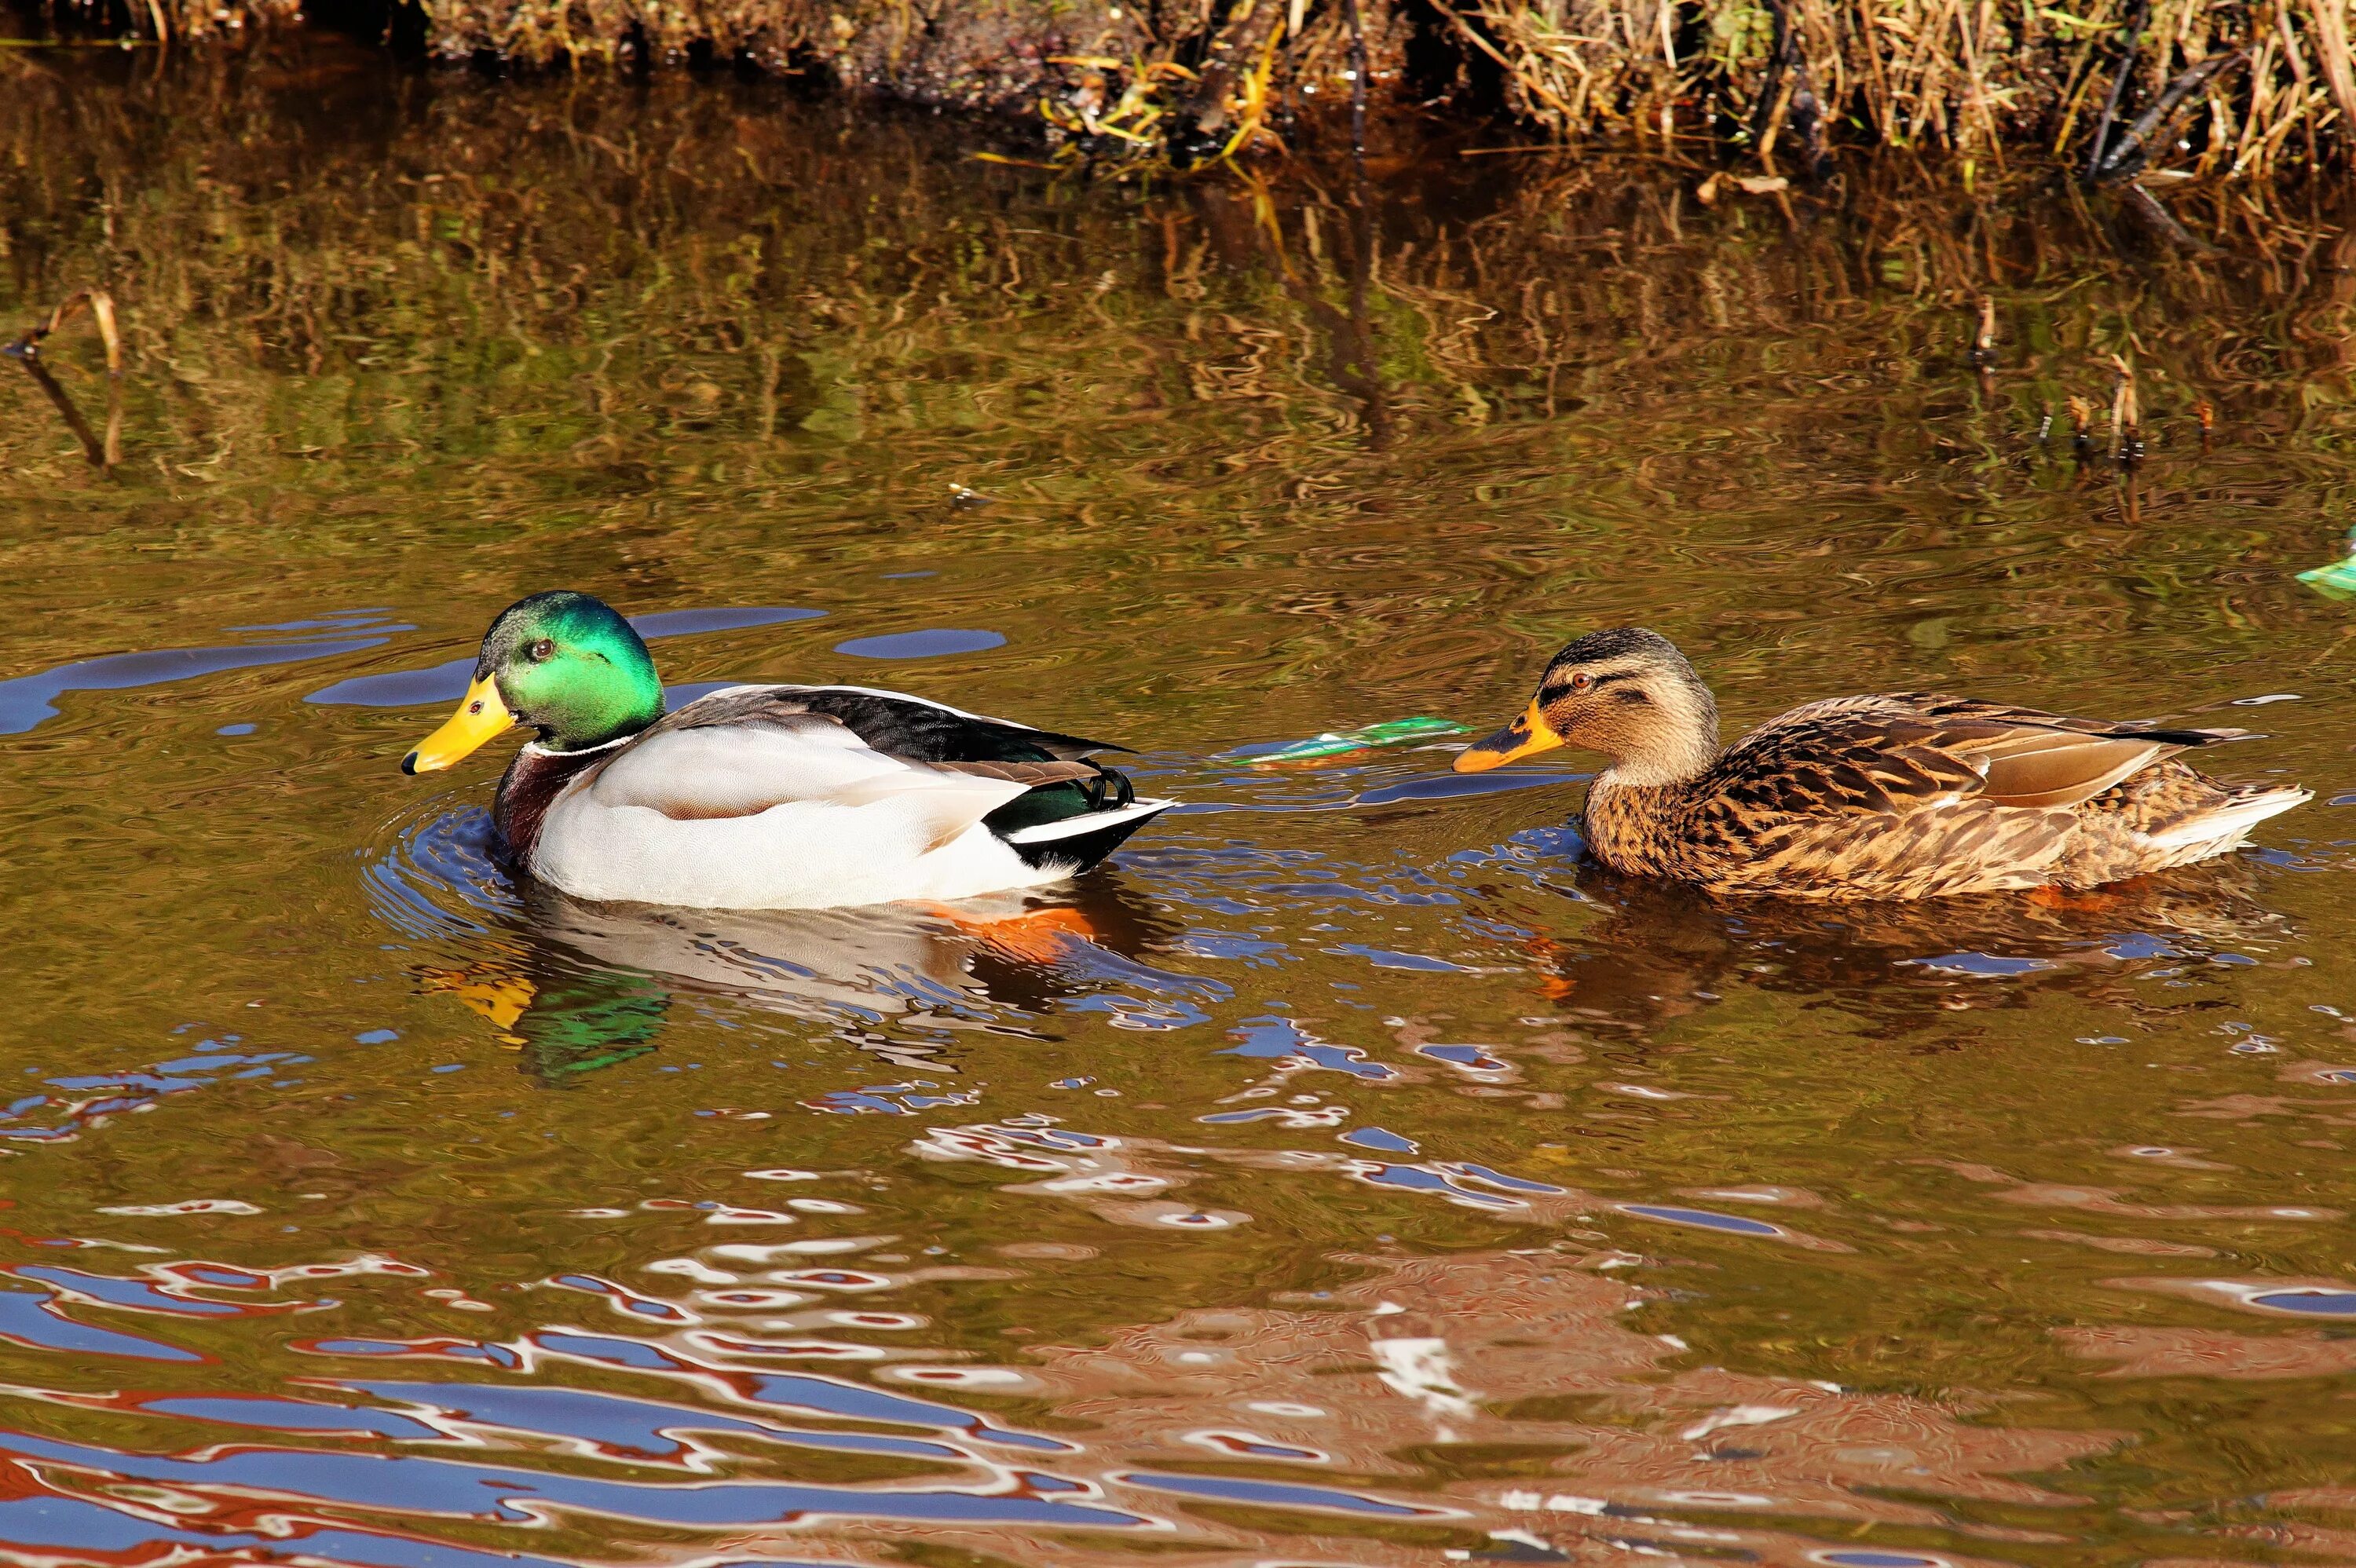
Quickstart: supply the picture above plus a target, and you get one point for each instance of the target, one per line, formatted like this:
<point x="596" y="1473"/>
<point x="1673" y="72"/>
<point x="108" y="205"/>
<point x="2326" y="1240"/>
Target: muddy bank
<point x="2213" y="88"/>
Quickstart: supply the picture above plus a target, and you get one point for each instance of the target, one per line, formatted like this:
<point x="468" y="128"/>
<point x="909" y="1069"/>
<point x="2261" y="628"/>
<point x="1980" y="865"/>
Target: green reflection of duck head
<point x="566" y="1022"/>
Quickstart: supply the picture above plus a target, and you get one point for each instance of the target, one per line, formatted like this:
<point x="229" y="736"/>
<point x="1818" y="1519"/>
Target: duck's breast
<point x="773" y="816"/>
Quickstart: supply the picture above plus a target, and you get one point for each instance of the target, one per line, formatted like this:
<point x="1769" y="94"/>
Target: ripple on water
<point x="30" y="701"/>
<point x="1284" y="1494"/>
<point x="2307" y="1301"/>
<point x="932" y="642"/>
<point x="1703" y="1219"/>
<point x="440" y="877"/>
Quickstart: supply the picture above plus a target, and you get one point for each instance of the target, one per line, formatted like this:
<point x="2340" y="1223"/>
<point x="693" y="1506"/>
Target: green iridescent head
<point x="564" y="663"/>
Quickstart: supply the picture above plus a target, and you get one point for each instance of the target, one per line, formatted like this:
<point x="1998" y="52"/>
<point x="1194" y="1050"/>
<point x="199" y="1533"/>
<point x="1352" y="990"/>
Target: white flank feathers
<point x="785" y="815"/>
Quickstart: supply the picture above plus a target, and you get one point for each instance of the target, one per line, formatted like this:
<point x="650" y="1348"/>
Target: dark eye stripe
<point x="1561" y="685"/>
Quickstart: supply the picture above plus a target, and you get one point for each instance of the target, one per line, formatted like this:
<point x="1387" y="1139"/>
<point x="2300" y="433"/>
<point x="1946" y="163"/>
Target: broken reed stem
<point x="102" y="453"/>
<point x="2127" y="415"/>
<point x="101" y="305"/>
<point x="1983" y="352"/>
<point x="2081" y="427"/>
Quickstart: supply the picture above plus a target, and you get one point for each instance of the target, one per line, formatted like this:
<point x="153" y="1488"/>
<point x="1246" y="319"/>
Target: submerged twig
<point x="102" y="453"/>
<point x="2146" y="206"/>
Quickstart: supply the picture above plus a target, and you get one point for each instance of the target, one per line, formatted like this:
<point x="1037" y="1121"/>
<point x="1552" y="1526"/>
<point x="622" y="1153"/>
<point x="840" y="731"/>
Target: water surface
<point x="1349" y="1174"/>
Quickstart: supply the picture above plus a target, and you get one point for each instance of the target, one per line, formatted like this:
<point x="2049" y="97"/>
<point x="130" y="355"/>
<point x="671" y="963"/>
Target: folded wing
<point x="703" y="771"/>
<point x="1903" y="753"/>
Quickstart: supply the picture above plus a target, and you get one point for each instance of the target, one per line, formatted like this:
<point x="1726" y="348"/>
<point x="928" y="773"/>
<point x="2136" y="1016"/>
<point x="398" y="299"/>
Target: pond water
<point x="1348" y="1174"/>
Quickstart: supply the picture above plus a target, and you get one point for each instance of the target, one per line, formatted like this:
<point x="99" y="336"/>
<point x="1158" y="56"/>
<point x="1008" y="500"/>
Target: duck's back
<point x="1921" y="794"/>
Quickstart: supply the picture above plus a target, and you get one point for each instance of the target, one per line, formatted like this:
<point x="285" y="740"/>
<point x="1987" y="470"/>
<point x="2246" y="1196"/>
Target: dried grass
<point x="2247" y="85"/>
<point x="2233" y="88"/>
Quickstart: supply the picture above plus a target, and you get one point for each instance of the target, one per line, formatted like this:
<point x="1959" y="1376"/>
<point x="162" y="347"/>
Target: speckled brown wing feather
<point x="1907" y="796"/>
<point x="1909" y="751"/>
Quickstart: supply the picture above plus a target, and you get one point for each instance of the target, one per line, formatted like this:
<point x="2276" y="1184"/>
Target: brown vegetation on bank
<point x="2211" y="88"/>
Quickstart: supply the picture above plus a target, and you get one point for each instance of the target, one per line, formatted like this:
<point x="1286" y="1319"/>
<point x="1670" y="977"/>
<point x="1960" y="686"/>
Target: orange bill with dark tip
<point x="1524" y="737"/>
<point x="480" y="715"/>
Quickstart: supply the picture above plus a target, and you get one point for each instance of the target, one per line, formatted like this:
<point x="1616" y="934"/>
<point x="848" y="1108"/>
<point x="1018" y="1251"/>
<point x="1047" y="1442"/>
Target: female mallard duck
<point x="764" y="796"/>
<point x="1904" y="797"/>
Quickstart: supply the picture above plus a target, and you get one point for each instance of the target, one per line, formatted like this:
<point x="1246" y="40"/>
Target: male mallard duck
<point x="1904" y="797"/>
<point x="764" y="796"/>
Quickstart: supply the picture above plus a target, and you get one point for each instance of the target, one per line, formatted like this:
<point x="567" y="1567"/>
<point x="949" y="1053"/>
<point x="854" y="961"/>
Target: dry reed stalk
<point x="1963" y="77"/>
<point x="101" y="305"/>
<point x="1983" y="352"/>
<point x="2127" y="415"/>
<point x="2081" y="427"/>
<point x="2330" y="21"/>
<point x="103" y="452"/>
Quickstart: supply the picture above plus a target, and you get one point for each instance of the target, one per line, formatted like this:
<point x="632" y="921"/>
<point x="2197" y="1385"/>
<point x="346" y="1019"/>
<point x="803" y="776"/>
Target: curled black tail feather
<point x="1110" y="790"/>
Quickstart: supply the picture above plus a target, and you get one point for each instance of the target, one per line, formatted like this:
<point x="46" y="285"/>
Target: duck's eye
<point x="1581" y="682"/>
<point x="541" y="651"/>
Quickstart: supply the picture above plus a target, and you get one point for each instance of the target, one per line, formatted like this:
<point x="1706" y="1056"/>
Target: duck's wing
<point x="1912" y="751"/>
<point x="752" y="762"/>
<point x="891" y="721"/>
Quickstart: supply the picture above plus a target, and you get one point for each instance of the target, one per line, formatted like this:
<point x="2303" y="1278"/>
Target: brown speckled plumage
<point x="1908" y="796"/>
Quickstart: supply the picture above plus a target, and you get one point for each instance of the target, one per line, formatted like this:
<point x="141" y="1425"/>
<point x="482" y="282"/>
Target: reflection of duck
<point x="567" y="1021"/>
<point x="595" y="981"/>
<point x="764" y="796"/>
<point x="1659" y="950"/>
<point x="1908" y="796"/>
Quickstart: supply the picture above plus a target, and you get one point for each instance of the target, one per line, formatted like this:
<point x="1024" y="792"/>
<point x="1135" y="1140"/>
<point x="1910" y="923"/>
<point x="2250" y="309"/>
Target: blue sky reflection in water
<point x="1347" y="1174"/>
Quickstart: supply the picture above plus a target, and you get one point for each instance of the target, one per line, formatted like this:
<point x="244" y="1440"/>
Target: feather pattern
<point x="1921" y="794"/>
<point x="792" y="797"/>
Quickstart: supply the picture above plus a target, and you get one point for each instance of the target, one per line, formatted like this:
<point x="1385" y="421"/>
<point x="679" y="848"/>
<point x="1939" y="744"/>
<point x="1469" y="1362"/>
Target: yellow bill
<point x="480" y="715"/>
<point x="1524" y="737"/>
